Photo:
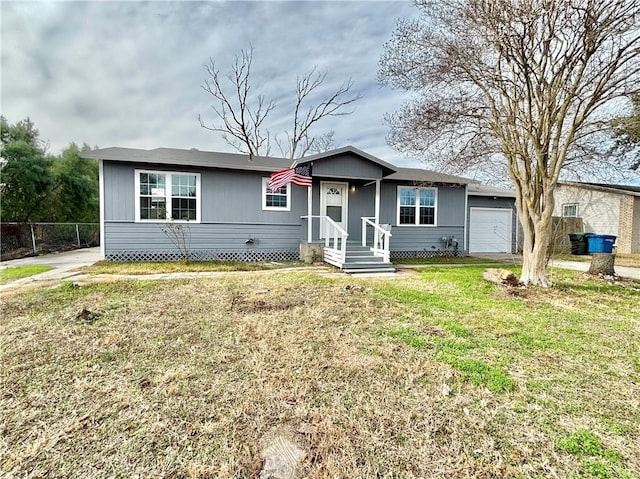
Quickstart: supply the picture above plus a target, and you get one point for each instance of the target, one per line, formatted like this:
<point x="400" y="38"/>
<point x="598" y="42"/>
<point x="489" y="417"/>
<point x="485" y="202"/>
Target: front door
<point x="333" y="203"/>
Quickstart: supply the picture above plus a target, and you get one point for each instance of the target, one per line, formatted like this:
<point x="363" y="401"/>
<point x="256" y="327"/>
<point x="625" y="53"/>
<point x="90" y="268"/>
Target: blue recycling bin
<point x="600" y="243"/>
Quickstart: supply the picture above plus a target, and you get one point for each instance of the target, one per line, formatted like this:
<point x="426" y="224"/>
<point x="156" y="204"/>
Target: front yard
<point x="433" y="375"/>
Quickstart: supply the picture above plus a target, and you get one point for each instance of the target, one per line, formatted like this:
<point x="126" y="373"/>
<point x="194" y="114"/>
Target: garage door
<point x="489" y="230"/>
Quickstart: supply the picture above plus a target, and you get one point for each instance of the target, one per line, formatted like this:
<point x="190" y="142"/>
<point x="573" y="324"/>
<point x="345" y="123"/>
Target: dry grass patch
<point x="391" y="378"/>
<point x="142" y="268"/>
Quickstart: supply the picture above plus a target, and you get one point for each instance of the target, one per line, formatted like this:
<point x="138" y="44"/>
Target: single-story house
<point x="359" y="213"/>
<point x="605" y="209"/>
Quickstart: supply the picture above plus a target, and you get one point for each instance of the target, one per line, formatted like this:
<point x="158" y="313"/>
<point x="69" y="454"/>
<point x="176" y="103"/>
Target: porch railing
<point x="335" y="240"/>
<point x="381" y="237"/>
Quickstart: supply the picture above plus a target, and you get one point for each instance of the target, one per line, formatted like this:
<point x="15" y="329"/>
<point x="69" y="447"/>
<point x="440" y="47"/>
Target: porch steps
<point x="360" y="259"/>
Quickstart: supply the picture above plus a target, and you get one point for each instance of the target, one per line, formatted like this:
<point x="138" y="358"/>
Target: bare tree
<point x="241" y="115"/>
<point x="626" y="130"/>
<point x="324" y="142"/>
<point x="521" y="82"/>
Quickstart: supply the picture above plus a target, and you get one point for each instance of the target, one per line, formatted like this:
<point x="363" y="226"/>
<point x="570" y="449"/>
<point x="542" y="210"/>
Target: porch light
<point x="353" y="188"/>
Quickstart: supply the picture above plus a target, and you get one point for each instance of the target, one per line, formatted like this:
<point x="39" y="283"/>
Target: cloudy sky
<point x="130" y="73"/>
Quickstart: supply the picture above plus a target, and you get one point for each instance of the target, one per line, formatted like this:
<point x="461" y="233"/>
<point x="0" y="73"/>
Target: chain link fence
<point x="18" y="240"/>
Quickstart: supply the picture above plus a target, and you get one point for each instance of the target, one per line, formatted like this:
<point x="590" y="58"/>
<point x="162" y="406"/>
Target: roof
<point x="242" y="161"/>
<point x="192" y="157"/>
<point x="477" y="189"/>
<point x="632" y="190"/>
<point x="418" y="174"/>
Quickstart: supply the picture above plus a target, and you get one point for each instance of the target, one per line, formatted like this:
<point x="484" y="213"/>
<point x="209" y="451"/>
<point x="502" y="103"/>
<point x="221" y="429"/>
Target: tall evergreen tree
<point x="26" y="180"/>
<point x="36" y="187"/>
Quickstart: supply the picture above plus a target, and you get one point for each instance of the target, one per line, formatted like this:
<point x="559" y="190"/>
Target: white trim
<point x="417" y="206"/>
<point x="509" y="235"/>
<point x="101" y="196"/>
<point x="377" y="203"/>
<point x="309" y="213"/>
<point x="345" y="201"/>
<point x="466" y="217"/>
<point x="265" y="183"/>
<point x="167" y="195"/>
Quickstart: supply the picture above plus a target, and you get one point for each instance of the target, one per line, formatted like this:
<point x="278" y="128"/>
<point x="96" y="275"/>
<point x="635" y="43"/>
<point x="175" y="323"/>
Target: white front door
<point x="333" y="203"/>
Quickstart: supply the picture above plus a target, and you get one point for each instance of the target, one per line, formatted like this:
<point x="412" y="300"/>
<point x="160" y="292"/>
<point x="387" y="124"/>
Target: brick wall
<point x="629" y="226"/>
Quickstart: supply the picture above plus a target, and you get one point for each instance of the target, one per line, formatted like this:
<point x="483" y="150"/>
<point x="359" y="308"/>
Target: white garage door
<point x="489" y="230"/>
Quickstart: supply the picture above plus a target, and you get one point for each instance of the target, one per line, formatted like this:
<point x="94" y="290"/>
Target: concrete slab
<point x="65" y="265"/>
<point x="66" y="260"/>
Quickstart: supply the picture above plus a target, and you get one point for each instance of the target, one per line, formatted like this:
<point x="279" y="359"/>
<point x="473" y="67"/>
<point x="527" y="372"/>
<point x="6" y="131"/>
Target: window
<point x="163" y="196"/>
<point x="570" y="210"/>
<point x="417" y="206"/>
<point x="279" y="200"/>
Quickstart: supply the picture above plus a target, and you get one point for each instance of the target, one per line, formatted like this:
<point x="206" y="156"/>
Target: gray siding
<point x="208" y="241"/>
<point x="203" y="236"/>
<point x="119" y="185"/>
<point x="231" y="206"/>
<point x="497" y="202"/>
<point x="347" y="166"/>
<point x="362" y="202"/>
<point x="450" y="220"/>
<point x="232" y="196"/>
<point x="226" y="196"/>
<point x="423" y="239"/>
<point x="450" y="210"/>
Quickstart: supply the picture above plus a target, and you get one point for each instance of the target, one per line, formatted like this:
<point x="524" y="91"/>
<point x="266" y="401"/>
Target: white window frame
<point x="565" y="205"/>
<point x="417" y="206"/>
<point x="265" y="184"/>
<point x="167" y="196"/>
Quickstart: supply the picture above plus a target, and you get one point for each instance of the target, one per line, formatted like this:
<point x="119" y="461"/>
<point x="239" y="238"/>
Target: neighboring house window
<point x="417" y="206"/>
<point x="570" y="210"/>
<point x="165" y="195"/>
<point x="279" y="200"/>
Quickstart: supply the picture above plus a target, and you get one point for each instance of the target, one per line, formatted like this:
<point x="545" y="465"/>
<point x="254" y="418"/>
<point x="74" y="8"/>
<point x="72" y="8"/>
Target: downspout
<point x="309" y="213"/>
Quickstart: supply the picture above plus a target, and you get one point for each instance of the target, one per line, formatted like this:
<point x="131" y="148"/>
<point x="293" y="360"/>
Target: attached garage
<point x="492" y="222"/>
<point x="490" y="230"/>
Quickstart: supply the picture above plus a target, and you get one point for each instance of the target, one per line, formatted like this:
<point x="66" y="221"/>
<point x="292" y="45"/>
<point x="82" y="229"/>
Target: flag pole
<point x="309" y="213"/>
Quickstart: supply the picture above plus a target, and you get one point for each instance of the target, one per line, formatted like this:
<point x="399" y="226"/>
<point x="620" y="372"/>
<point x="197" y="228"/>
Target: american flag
<point x="298" y="175"/>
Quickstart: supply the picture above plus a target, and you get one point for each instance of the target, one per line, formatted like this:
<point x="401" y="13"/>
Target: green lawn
<point x="445" y="260"/>
<point x="16" y="272"/>
<point x="437" y="374"/>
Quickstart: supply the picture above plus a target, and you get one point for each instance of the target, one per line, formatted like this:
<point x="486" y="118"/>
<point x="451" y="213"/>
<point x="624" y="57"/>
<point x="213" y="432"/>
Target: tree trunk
<point x="534" y="256"/>
<point x="602" y="263"/>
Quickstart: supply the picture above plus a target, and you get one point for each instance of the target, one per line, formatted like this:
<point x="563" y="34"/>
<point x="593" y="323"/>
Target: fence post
<point x="78" y="235"/>
<point x="33" y="240"/>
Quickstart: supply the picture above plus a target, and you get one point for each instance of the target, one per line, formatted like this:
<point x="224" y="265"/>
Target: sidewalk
<point x="65" y="265"/>
<point x="623" y="271"/>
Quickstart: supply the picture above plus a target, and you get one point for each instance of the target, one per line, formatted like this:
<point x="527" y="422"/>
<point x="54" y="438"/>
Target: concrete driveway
<point x="63" y="264"/>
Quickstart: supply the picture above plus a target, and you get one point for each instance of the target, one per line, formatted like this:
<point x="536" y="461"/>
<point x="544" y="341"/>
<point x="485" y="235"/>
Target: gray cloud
<point x="129" y="73"/>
